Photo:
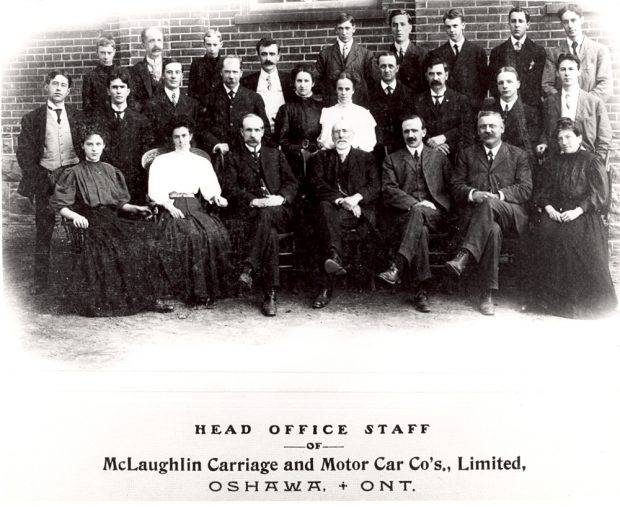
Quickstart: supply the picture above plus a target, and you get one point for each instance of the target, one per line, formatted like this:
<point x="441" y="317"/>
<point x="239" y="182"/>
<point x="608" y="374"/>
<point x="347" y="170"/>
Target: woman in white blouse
<point x="197" y="243"/>
<point x="363" y="122"/>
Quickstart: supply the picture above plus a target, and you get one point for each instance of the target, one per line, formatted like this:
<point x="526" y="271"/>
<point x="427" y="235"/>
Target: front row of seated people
<point x="126" y="266"/>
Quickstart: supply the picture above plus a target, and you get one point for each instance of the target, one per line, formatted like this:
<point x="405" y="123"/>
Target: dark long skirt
<point x="572" y="267"/>
<point x="197" y="252"/>
<point x="119" y="270"/>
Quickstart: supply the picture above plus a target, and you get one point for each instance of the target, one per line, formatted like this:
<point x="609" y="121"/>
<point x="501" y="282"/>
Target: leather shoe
<point x="323" y="299"/>
<point x="245" y="279"/>
<point x="457" y="265"/>
<point x="333" y="265"/>
<point x="162" y="307"/>
<point x="269" y="304"/>
<point x="487" y="304"/>
<point x="420" y="302"/>
<point x="391" y="276"/>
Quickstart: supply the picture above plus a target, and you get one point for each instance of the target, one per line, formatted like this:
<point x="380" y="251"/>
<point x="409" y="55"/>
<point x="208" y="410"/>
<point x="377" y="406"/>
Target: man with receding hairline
<point x="146" y="75"/>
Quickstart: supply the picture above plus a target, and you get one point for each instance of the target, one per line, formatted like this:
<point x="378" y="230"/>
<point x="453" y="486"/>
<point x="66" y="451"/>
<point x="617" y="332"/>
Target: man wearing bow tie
<point x="492" y="182"/>
<point x="48" y="143"/>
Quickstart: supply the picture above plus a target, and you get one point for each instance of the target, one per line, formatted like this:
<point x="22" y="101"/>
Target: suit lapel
<point x="581" y="103"/>
<point x="499" y="159"/>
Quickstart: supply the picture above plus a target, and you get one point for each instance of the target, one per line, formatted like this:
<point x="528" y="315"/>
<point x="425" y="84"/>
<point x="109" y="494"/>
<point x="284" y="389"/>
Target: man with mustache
<point x="48" y="143"/>
<point x="492" y="182"/>
<point x="345" y="183"/>
<point x="415" y="183"/>
<point x="146" y="75"/>
<point x="446" y="112"/>
<point x="273" y="86"/>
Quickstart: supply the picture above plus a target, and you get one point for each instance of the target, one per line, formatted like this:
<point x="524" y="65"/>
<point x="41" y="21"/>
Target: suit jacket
<point x="241" y="185"/>
<point x="510" y="173"/>
<point x="129" y="139"/>
<point x="468" y="73"/>
<point x="596" y="74"/>
<point x="389" y="112"/>
<point x="251" y="82"/>
<point x="363" y="177"/>
<point x="142" y="87"/>
<point x="220" y="118"/>
<point x="160" y="111"/>
<point x="591" y="118"/>
<point x="529" y="63"/>
<point x="454" y="118"/>
<point x="204" y="76"/>
<point x="411" y="69"/>
<point x="359" y="63"/>
<point x="522" y="124"/>
<point x="31" y="142"/>
<point x="398" y="178"/>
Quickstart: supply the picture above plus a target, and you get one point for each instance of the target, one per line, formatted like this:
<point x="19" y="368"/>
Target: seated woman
<point x="119" y="270"/>
<point x="197" y="242"/>
<point x="297" y="122"/>
<point x="571" y="263"/>
<point x="363" y="122"/>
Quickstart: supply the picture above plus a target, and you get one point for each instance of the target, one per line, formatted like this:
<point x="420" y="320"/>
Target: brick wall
<point x="301" y="37"/>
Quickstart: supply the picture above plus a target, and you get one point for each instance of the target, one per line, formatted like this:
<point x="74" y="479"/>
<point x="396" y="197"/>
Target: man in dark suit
<point x="415" y="184"/>
<point x="410" y="57"/>
<point x="466" y="61"/>
<point x="273" y="86"/>
<point x="172" y="103"/>
<point x="48" y="143"/>
<point x="129" y="136"/>
<point x="261" y="189"/>
<point x="491" y="183"/>
<point x="447" y="113"/>
<point x="523" y="54"/>
<point x="205" y="72"/>
<point x="585" y="109"/>
<point x="222" y="110"/>
<point x="146" y="75"/>
<point x="345" y="56"/>
<point x="390" y="102"/>
<point x="345" y="183"/>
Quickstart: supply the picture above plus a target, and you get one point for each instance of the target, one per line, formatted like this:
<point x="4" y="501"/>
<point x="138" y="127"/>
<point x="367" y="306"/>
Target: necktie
<point x="401" y="55"/>
<point x="506" y="111"/>
<point x="437" y="104"/>
<point x="456" y="50"/>
<point x="567" y="99"/>
<point x="58" y="113"/>
<point x="174" y="98"/>
<point x="388" y="90"/>
<point x="255" y="154"/>
<point x="268" y="82"/>
<point x="416" y="159"/>
<point x="490" y="155"/>
<point x="574" y="45"/>
<point x="231" y="94"/>
<point x="345" y="51"/>
<point x="119" y="115"/>
<point x="518" y="46"/>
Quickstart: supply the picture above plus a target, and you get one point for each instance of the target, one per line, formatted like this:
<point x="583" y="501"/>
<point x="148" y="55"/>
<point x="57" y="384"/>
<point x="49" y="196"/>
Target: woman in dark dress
<point x="571" y="242"/>
<point x="118" y="270"/>
<point x="196" y="241"/>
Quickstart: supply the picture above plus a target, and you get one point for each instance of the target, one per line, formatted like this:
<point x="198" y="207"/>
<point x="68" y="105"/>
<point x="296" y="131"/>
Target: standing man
<point x="491" y="184"/>
<point x="273" y="86"/>
<point x="261" y="189"/>
<point x="146" y="75"/>
<point x="129" y="136"/>
<point x="345" y="182"/>
<point x="48" y="143"/>
<point x="524" y="55"/>
<point x="390" y="102"/>
<point x="163" y="107"/>
<point x="447" y="113"/>
<point x="410" y="58"/>
<point x="596" y="74"/>
<point x="223" y="109"/>
<point x="415" y="183"/>
<point x="466" y="61"/>
<point x="205" y="72"/>
<point x="585" y="109"/>
<point x="345" y="56"/>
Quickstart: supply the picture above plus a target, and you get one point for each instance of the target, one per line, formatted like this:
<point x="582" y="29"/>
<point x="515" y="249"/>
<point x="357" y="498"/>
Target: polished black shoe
<point x="162" y="307"/>
<point x="333" y="265"/>
<point x="323" y="299"/>
<point x="269" y="308"/>
<point x="391" y="276"/>
<point x="420" y="302"/>
<point x="457" y="265"/>
<point x="245" y="279"/>
<point x="487" y="304"/>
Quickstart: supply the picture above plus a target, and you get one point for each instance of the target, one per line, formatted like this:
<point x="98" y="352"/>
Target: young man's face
<point x="118" y="91"/>
<point x="58" y="89"/>
<point x="173" y="76"/>
<point x="573" y="24"/>
<point x="213" y="44"/>
<point x="345" y="31"/>
<point x="93" y="147"/>
<point x="518" y="25"/>
<point x="507" y="85"/>
<point x="153" y="43"/>
<point x="401" y="28"/>
<point x="106" y="55"/>
<point x="388" y="68"/>
<point x="454" y="29"/>
<point x="269" y="57"/>
<point x="568" y="72"/>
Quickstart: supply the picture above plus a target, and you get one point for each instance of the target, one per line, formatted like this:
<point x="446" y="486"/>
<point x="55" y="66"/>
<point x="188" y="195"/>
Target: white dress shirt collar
<point x="521" y="41"/>
<point x="417" y="150"/>
<point x="176" y="91"/>
<point x="51" y="105"/>
<point x="404" y="46"/>
<point x="510" y="104"/>
<point x="392" y="85"/>
<point x="459" y="44"/>
<point x="494" y="150"/>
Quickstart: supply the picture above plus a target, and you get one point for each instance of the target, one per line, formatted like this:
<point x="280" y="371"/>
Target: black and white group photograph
<point x="298" y="209"/>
